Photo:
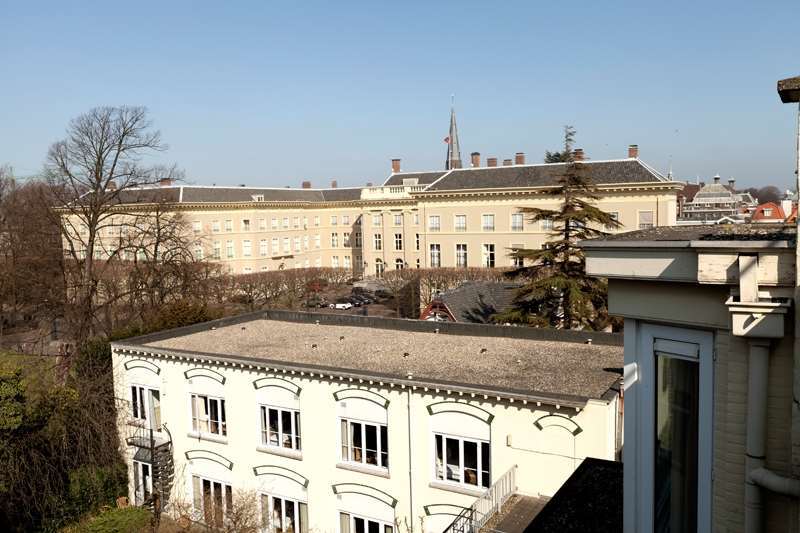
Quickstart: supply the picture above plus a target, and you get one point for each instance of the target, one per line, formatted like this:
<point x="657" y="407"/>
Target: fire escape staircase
<point x="155" y="448"/>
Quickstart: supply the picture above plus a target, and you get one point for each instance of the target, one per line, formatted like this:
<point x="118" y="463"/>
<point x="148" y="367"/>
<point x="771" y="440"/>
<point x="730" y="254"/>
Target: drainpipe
<point x="757" y="383"/>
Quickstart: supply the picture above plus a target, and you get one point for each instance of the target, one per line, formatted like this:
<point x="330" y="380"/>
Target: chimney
<point x="165" y="182"/>
<point x="732" y="184"/>
<point x="633" y="151"/>
<point x="507" y="162"/>
<point x="577" y="154"/>
<point x="369" y="184"/>
<point x="395" y="166"/>
<point x="306" y="185"/>
<point x="519" y="158"/>
<point x="475" y="158"/>
<point x="716" y="178"/>
<point x="491" y="161"/>
<point x="333" y="184"/>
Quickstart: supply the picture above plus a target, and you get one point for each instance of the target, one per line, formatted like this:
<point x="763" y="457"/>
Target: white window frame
<point x="383" y="526"/>
<point x="247" y="248"/>
<point x="274" y="223"/>
<point x="217" y="251"/>
<point x="440" y="472"/>
<point x="267" y="514"/>
<point x="489" y="255"/>
<point x="377" y="221"/>
<point x="276" y="246"/>
<point x="294" y="433"/>
<point x="335" y="261"/>
<point x="546" y="224"/>
<point x="142" y="486"/>
<point x="346" y="443"/>
<point x="457" y="226"/>
<point x="640" y="395"/>
<point x="434" y="223"/>
<point x="227" y="490"/>
<point x="334" y="240"/>
<point x="398" y="219"/>
<point x="228" y="226"/>
<point x="263" y="247"/>
<point x="438" y="249"/>
<point x="198" y="420"/>
<point x="347" y="261"/>
<point x="398" y="242"/>
<point x="521" y="218"/>
<point x="640" y="225"/>
<point x="462" y="253"/>
<point x="485" y="218"/>
<point x="245" y="224"/>
<point x="197" y="226"/>
<point x="334" y="220"/>
<point x="143" y="412"/>
<point x="377" y="241"/>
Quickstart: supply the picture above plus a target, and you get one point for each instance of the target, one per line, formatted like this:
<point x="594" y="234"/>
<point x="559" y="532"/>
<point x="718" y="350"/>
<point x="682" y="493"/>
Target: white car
<point x="343" y="305"/>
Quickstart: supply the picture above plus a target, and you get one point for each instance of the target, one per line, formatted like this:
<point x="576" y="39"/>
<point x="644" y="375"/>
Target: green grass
<point x="124" y="520"/>
<point x="38" y="372"/>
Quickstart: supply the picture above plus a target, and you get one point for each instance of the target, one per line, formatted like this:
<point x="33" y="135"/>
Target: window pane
<point x="135" y="402"/>
<point x="277" y="515"/>
<point x="208" y="504"/>
<point x="286" y="420"/>
<point x="155" y="409"/>
<point x="486" y="472"/>
<point x="470" y="462"/>
<point x="439" y="458"/>
<point x="297" y="430"/>
<point x="359" y="525"/>
<point x="197" y="493"/>
<point x="344" y="523"/>
<point x="264" y="511"/>
<point x="224" y="423"/>
<point x="373" y="527"/>
<point x="213" y="415"/>
<point x="677" y="405"/>
<point x="273" y="427"/>
<point x="345" y="441"/>
<point x="452" y="459"/>
<point x="289" y="517"/>
<point x="371" y="437"/>
<point x="384" y="447"/>
<point x="142" y="414"/>
<point x="302" y="520"/>
<point x="355" y="438"/>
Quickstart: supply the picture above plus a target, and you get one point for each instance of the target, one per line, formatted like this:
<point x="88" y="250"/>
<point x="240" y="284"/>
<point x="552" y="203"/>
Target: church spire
<point x="453" y="150"/>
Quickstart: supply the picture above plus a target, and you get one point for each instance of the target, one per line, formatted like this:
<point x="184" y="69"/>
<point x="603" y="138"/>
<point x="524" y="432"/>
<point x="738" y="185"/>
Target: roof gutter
<point x="694" y="244"/>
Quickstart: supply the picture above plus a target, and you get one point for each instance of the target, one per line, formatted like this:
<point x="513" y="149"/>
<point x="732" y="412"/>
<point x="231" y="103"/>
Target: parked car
<point x="342" y="305"/>
<point x="355" y="301"/>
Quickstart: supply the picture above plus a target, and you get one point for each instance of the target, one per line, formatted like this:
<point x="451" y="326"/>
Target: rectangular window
<point x="282" y="515"/>
<point x="215" y="226"/>
<point x="143" y="481"/>
<point x="346" y="240"/>
<point x="461" y="255"/>
<point x="198" y="251"/>
<point x="488" y="222"/>
<point x="229" y="249"/>
<point x="645" y="219"/>
<point x="217" y="253"/>
<point x="378" y="241"/>
<point x="517" y="221"/>
<point x="347" y="261"/>
<point x="208" y="415"/>
<point x="377" y="220"/>
<point x="677" y="409"/>
<point x="263" y="247"/>
<point x="488" y="255"/>
<point x="365" y="443"/>
<point x="305" y="242"/>
<point x="358" y="239"/>
<point x="460" y="223"/>
<point x="247" y="248"/>
<point x="398" y="220"/>
<point x="287" y="245"/>
<point x="295" y="222"/>
<point x="275" y="247"/>
<point x="345" y="220"/>
<point x="436" y="255"/>
<point x="350" y="523"/>
<point x="334" y="240"/>
<point x="416" y="242"/>
<point x="146" y="406"/>
<point x="305" y="222"/>
<point x="285" y="222"/>
<point x="546" y="224"/>
<point x="297" y="244"/>
<point x="335" y="261"/>
<point x="398" y="241"/>
<point x="462" y="461"/>
<point x="416" y="219"/>
<point x="518" y="262"/>
<point x="316" y="221"/>
<point x="280" y="427"/>
<point x="615" y="216"/>
<point x="245" y="224"/>
<point x="334" y="220"/>
<point x="274" y="223"/>
<point x="434" y="223"/>
<point x="213" y="500"/>
<point x="317" y="240"/>
<point x="262" y="224"/>
<point x="197" y="226"/>
<point x="229" y="225"/>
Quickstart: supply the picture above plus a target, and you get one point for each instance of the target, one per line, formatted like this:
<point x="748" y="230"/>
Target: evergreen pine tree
<point x="559" y="292"/>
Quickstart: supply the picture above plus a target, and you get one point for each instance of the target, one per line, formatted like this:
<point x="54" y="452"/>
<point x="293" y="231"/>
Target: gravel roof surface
<point x="547" y="368"/>
<point x="709" y="232"/>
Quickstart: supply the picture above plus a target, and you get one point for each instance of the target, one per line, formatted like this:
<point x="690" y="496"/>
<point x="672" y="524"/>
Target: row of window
<point x="297" y="222"/>
<point x="279" y="246"/>
<point x="366" y="443"/>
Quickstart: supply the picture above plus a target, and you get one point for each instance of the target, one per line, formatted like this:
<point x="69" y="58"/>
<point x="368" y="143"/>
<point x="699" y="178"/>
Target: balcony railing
<point x="472" y="519"/>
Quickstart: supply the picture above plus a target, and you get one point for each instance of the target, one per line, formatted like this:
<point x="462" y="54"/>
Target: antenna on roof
<point x="669" y="173"/>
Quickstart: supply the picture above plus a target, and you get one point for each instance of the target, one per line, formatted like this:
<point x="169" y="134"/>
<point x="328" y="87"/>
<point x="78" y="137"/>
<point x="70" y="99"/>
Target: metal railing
<point x="472" y="519"/>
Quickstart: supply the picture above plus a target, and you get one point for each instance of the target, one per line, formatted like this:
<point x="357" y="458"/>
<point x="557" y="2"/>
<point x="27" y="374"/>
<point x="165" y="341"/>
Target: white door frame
<point x="640" y="391"/>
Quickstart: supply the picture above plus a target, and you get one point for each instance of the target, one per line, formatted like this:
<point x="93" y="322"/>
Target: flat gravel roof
<point x="553" y="369"/>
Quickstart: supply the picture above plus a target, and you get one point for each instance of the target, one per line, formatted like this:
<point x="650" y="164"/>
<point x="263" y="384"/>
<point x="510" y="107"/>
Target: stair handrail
<point x="474" y="517"/>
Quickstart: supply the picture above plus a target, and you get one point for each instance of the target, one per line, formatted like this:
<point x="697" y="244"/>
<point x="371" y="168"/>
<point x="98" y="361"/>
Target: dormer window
<point x="258" y="197"/>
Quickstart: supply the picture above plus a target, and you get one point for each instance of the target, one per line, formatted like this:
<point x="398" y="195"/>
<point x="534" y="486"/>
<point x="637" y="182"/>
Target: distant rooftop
<point x="702" y="233"/>
<point x="483" y="359"/>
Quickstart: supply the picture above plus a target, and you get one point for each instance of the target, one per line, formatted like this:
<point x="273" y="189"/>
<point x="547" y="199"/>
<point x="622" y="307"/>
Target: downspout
<point x="410" y="477"/>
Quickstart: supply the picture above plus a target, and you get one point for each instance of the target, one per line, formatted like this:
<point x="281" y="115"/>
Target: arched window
<point x="399" y="264"/>
<point x="379" y="268"/>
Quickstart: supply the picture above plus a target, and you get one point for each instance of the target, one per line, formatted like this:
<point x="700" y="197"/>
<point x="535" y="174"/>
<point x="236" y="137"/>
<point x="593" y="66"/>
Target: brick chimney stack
<point x="578" y="154"/>
<point x="333" y="184"/>
<point x="507" y="162"/>
<point x="395" y="165"/>
<point x="491" y="161"/>
<point x="306" y="185"/>
<point x="633" y="151"/>
<point x="475" y="159"/>
<point x="519" y="158"/>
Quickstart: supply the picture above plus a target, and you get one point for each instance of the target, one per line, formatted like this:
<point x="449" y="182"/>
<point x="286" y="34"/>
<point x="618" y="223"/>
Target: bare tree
<point x="100" y="165"/>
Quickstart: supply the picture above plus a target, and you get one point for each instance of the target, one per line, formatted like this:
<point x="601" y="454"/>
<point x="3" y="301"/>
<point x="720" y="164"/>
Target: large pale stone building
<point x="351" y="424"/>
<point x="451" y="218"/>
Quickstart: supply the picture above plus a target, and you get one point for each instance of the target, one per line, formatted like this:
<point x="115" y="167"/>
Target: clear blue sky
<point x="271" y="93"/>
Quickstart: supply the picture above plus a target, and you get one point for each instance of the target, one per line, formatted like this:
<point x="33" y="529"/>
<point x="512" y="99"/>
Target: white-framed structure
<point x="336" y="420"/>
